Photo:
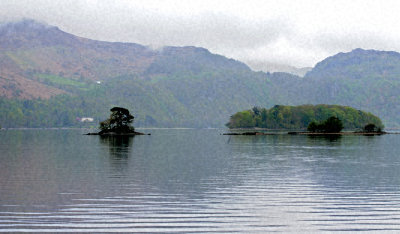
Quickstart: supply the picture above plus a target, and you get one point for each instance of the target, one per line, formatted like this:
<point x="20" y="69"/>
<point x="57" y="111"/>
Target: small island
<point x="119" y="124"/>
<point x="316" y="119"/>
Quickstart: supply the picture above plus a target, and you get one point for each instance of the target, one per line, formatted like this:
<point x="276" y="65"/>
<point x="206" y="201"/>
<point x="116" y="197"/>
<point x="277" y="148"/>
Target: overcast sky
<point x="298" y="33"/>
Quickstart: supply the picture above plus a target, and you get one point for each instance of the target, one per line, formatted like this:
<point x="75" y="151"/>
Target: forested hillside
<point x="364" y="79"/>
<point x="49" y="78"/>
<point x="172" y="87"/>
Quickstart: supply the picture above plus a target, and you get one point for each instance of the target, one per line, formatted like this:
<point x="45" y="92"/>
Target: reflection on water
<point x="117" y="141"/>
<point x="119" y="146"/>
<point x="197" y="181"/>
<point x="120" y="149"/>
<point x="332" y="138"/>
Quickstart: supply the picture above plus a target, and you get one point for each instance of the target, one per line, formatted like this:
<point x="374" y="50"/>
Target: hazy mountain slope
<point x="173" y="86"/>
<point x="364" y="79"/>
<point x="31" y="49"/>
<point x="359" y="64"/>
<point x="208" y="85"/>
<point x="13" y="82"/>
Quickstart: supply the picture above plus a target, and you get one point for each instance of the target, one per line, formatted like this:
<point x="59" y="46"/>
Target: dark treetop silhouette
<point x="331" y="125"/>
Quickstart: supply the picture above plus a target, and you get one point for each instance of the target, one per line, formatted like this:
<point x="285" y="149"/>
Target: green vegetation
<point x="119" y="122"/>
<point x="62" y="82"/>
<point x="331" y="125"/>
<point x="202" y="99"/>
<point x="189" y="94"/>
<point x="59" y="80"/>
<point x="366" y="79"/>
<point x="300" y="117"/>
<point x="179" y="86"/>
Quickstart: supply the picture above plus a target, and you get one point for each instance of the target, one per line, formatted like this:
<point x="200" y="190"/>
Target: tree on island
<point x="331" y="125"/>
<point x="119" y="122"/>
<point x="313" y="127"/>
<point x="371" y="128"/>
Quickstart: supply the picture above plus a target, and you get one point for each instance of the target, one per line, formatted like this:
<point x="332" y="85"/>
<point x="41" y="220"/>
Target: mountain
<point x="50" y="78"/>
<point x="31" y="51"/>
<point x="75" y="77"/>
<point x="359" y="64"/>
<point x="364" y="79"/>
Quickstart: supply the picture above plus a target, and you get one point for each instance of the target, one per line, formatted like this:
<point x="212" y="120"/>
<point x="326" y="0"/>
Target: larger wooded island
<point x="315" y="118"/>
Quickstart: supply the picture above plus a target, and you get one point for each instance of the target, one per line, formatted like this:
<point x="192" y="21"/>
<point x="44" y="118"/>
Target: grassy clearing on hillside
<point x="55" y="80"/>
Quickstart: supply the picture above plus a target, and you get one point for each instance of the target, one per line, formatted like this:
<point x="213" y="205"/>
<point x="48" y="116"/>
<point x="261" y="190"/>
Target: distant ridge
<point x="31" y="49"/>
<point x="366" y="61"/>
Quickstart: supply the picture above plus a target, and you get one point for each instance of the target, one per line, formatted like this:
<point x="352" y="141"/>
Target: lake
<point x="187" y="181"/>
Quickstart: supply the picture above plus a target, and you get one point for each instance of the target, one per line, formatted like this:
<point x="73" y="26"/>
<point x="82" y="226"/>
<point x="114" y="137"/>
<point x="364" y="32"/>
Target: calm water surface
<point x="197" y="181"/>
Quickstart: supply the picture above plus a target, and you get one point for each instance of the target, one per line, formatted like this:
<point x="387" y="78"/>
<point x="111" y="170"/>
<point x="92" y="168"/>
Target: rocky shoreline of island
<point x="307" y="133"/>
<point x="116" y="134"/>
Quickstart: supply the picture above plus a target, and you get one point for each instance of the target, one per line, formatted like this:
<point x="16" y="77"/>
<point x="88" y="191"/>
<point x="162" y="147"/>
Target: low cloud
<point x="342" y="42"/>
<point x="286" y="34"/>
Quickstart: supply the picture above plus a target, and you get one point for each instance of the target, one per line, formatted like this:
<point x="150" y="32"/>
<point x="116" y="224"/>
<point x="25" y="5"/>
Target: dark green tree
<point x="332" y="125"/>
<point x="371" y="128"/>
<point x="256" y="110"/>
<point x="313" y="127"/>
<point x="119" y="122"/>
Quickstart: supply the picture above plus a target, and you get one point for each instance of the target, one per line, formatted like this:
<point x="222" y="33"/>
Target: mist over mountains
<point x="48" y="78"/>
